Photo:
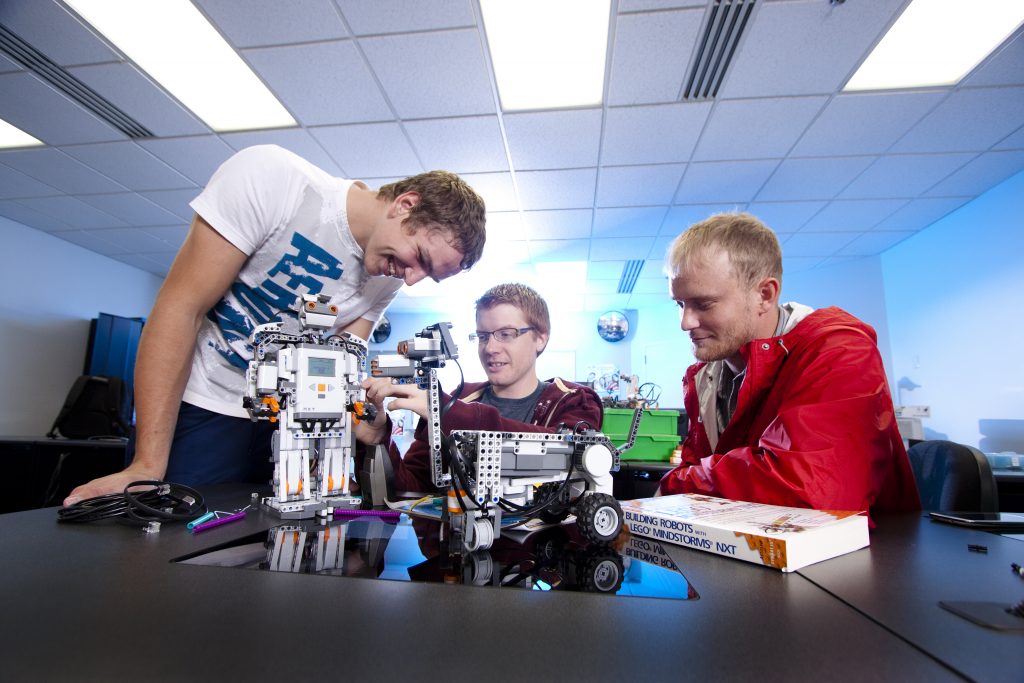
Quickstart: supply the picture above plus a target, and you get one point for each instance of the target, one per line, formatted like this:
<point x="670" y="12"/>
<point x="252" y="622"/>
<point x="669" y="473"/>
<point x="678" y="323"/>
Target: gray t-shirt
<point x="518" y="409"/>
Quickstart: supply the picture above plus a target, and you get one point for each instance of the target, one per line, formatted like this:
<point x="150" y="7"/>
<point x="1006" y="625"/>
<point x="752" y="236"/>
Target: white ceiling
<point x="388" y="88"/>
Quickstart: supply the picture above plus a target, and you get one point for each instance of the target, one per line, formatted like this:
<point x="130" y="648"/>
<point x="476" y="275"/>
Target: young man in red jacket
<point x="512" y="329"/>
<point x="788" y="405"/>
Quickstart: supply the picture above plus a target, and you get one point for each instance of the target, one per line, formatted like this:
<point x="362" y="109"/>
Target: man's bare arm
<point x="203" y="270"/>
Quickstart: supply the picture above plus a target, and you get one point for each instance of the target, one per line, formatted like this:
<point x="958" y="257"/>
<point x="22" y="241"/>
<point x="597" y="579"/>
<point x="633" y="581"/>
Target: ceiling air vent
<point x="723" y="26"/>
<point x="43" y="67"/>
<point x="630" y="272"/>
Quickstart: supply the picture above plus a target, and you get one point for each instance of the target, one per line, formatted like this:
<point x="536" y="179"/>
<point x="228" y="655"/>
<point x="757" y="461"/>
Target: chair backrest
<point x="952" y="477"/>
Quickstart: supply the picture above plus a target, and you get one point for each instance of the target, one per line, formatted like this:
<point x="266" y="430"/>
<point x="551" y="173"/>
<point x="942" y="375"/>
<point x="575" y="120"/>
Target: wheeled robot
<point x="489" y="474"/>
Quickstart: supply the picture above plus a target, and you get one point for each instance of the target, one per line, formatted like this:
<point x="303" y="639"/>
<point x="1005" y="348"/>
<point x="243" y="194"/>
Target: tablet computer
<point x="988" y="521"/>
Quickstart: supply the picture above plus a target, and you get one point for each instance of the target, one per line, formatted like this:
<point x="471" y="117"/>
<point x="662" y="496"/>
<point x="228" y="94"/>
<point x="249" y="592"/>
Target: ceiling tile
<point x="602" y="286"/>
<point x="172" y="235"/>
<point x="504" y="225"/>
<point x="968" y="120"/>
<point x="130" y="208"/>
<point x="605" y="270"/>
<point x="725" y="181"/>
<point x="369" y="150"/>
<point x="175" y="201"/>
<point x="322" y="83"/>
<point x="638" y="185"/>
<point x="15" y="184"/>
<point x="864" y="123"/>
<point x="681" y="217"/>
<point x="855" y="215"/>
<point x="58" y="170"/>
<point x="271" y="22"/>
<point x="642" y="40"/>
<point x="1003" y="67"/>
<point x="129" y="165"/>
<point x="46" y="115"/>
<point x="572" y="189"/>
<point x="73" y="212"/>
<point x="432" y="74"/>
<point x="783" y="217"/>
<point x="873" y="243"/>
<point x="567" y="224"/>
<point x="618" y="248"/>
<point x="297" y="140"/>
<point x="797" y="179"/>
<point x="53" y="30"/>
<point x="495" y="188"/>
<point x="559" y="250"/>
<point x="904" y="175"/>
<point x="399" y="16"/>
<point x="463" y="145"/>
<point x="640" y="5"/>
<point x="980" y="174"/>
<point x="804" y="48"/>
<point x="628" y="222"/>
<point x="736" y="129"/>
<point x="822" y="244"/>
<point x="652" y="134"/>
<point x="8" y="65"/>
<point x="89" y="240"/>
<point x="800" y="264"/>
<point x="1012" y="141"/>
<point x="652" y="285"/>
<point x="920" y="213"/>
<point x="128" y="89"/>
<point x="132" y="240"/>
<point x="606" y="302"/>
<point x="142" y="262"/>
<point x="553" y="139"/>
<point x="507" y="251"/>
<point x="196" y="158"/>
<point x="30" y="217"/>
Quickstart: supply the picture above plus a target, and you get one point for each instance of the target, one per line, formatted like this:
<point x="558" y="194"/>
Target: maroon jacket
<point x="561" y="403"/>
<point x="814" y="425"/>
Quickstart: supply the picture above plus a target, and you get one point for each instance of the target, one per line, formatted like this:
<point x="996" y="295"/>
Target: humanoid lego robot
<point x="525" y="474"/>
<point x="308" y="383"/>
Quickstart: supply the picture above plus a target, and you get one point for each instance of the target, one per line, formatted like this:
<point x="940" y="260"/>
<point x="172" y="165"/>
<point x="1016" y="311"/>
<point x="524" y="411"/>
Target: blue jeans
<point x="210" y="448"/>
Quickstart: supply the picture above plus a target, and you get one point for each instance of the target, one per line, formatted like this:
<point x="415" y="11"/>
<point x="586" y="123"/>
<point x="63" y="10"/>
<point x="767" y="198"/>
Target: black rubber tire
<point x="599" y="518"/>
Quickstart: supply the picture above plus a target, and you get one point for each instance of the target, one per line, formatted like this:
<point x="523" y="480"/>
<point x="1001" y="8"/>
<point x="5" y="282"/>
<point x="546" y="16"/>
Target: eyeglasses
<point x="504" y="335"/>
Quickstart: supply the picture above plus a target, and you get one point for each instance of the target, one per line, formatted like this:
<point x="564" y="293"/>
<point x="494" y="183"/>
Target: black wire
<point x="164" y="502"/>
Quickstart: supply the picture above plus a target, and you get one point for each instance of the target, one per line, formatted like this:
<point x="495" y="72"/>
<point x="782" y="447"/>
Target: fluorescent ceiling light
<point x="11" y="136"/>
<point x="937" y="42"/>
<point x="172" y="42"/>
<point x="547" y="54"/>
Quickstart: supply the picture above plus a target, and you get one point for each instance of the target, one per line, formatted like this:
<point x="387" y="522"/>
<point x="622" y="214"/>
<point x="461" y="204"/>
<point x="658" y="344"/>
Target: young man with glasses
<point x="512" y="329"/>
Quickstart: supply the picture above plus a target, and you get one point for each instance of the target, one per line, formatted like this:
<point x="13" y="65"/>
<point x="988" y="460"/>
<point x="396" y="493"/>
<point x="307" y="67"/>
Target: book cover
<point x="785" y="538"/>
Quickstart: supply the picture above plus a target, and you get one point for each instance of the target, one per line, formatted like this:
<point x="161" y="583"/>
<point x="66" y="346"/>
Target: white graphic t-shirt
<point x="290" y="218"/>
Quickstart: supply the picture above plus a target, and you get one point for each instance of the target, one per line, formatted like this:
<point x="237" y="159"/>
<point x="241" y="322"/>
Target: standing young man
<point x="788" y="405"/>
<point x="512" y="329"/>
<point x="269" y="227"/>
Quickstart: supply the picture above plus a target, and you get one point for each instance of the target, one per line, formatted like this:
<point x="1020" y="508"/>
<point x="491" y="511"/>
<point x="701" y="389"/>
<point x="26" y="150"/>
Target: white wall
<point x="956" y="320"/>
<point x="855" y="286"/>
<point x="51" y="290"/>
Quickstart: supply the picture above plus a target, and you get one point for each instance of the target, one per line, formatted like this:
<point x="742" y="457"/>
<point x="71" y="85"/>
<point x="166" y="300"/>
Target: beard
<point x="725" y="342"/>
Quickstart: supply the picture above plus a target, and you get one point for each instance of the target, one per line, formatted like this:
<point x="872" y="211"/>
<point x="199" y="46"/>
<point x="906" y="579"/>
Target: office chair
<point x="953" y="477"/>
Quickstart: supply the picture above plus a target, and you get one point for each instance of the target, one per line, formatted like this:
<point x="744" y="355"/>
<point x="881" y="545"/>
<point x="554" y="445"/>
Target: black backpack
<point x="95" y="406"/>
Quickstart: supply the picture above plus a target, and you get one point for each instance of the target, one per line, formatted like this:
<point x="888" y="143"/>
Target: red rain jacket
<point x="814" y="425"/>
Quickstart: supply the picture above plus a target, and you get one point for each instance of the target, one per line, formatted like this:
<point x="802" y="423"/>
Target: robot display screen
<point x="551" y="559"/>
<point x="321" y="367"/>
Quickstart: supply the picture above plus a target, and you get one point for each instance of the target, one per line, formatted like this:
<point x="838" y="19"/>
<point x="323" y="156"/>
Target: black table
<point x="39" y="471"/>
<point x="102" y="602"/>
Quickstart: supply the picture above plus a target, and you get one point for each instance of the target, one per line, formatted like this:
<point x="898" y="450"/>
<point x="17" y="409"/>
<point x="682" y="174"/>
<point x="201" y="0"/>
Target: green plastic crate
<point x="647" y="447"/>
<point x="653" y="422"/>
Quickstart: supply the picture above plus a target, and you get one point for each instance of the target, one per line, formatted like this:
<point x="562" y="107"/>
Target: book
<point x="785" y="538"/>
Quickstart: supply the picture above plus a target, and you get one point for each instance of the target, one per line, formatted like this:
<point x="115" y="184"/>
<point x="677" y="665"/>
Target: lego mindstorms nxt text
<point x="525" y="474"/>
